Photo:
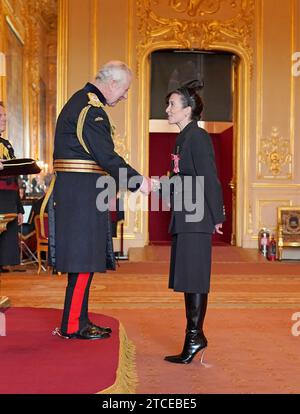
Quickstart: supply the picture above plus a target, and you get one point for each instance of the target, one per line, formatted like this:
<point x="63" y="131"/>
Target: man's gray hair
<point x="114" y="70"/>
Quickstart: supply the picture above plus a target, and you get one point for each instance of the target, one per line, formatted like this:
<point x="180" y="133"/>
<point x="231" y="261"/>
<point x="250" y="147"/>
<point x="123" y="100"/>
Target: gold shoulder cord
<point x="4" y="154"/>
<point x="93" y="101"/>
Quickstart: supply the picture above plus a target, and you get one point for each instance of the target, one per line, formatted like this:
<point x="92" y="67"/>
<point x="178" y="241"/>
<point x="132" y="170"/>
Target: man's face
<point x="2" y="119"/>
<point x="117" y="91"/>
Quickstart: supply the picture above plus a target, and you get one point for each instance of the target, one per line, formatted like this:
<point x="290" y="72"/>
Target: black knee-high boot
<point x="195" y="306"/>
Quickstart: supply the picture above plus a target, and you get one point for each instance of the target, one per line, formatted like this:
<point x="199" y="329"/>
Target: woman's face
<point x="175" y="111"/>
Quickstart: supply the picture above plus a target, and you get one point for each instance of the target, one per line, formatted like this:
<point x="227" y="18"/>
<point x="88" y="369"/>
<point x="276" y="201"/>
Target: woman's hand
<point x="218" y="228"/>
<point x="1" y="166"/>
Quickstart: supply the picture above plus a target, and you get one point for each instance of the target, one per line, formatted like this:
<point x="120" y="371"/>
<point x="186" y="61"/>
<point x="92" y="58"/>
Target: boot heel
<point x="202" y="352"/>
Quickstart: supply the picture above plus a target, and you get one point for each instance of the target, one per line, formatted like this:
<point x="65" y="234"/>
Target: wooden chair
<point x="42" y="242"/>
<point x="288" y="221"/>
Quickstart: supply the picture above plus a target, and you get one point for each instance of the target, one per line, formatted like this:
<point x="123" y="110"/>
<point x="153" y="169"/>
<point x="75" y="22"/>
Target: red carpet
<point x="33" y="361"/>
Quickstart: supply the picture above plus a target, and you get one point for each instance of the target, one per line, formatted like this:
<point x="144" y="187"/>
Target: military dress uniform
<point x="10" y="202"/>
<point x="83" y="151"/>
<point x="190" y="265"/>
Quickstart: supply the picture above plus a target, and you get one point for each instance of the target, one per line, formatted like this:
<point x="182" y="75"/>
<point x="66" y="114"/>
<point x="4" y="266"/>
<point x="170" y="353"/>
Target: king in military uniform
<point x="83" y="151"/>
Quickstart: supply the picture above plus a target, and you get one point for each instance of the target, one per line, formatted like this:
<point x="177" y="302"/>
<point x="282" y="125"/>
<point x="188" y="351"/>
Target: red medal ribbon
<point x="175" y="158"/>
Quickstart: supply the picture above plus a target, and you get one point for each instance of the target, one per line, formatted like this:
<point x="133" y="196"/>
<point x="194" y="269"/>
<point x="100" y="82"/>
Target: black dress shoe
<point x="87" y="332"/>
<point x="105" y="329"/>
<point x="2" y="270"/>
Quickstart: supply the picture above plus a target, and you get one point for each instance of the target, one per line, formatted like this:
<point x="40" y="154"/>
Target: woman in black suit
<point x="190" y="265"/>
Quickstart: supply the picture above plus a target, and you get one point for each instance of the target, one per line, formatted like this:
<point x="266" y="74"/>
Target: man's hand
<point x="218" y="228"/>
<point x="148" y="185"/>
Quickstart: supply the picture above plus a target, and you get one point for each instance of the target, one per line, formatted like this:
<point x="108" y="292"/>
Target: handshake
<point x="149" y="184"/>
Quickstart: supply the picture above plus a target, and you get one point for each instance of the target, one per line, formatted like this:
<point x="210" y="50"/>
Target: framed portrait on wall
<point x="288" y="219"/>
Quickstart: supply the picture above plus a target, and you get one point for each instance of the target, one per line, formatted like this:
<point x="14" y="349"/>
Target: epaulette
<point x="95" y="102"/>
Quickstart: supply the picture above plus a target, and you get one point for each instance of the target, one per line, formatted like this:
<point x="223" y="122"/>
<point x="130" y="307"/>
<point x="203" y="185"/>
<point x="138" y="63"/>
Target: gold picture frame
<point x="288" y="221"/>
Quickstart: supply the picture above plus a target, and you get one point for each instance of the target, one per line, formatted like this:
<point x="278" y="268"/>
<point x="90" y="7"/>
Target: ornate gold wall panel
<point x="62" y="53"/>
<point x="33" y="22"/>
<point x="266" y="212"/>
<point x="274" y="161"/>
<point x="275" y="144"/>
<point x="196" y="25"/>
<point x="275" y="158"/>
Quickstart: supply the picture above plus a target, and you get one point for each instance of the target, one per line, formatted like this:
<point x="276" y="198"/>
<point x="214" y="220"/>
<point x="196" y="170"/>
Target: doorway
<point x="169" y="70"/>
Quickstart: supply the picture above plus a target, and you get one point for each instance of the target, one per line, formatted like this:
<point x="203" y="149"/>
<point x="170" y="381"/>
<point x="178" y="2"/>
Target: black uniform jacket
<point x="82" y="232"/>
<point x="197" y="158"/>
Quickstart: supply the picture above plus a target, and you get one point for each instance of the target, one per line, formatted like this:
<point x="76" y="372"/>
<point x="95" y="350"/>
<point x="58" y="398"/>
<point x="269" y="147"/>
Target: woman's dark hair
<point x="190" y="97"/>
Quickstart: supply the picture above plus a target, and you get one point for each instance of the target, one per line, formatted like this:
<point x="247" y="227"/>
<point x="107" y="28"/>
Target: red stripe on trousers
<point x="76" y="304"/>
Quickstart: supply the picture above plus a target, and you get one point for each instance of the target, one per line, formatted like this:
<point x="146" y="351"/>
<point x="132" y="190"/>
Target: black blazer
<point x="197" y="158"/>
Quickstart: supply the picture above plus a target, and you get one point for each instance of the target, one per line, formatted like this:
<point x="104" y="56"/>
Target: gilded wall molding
<point x="250" y="219"/>
<point x="235" y="33"/>
<point x="62" y="54"/>
<point x="196" y="7"/>
<point x="121" y="146"/>
<point x="268" y="165"/>
<point x="269" y="206"/>
<point x="275" y="158"/>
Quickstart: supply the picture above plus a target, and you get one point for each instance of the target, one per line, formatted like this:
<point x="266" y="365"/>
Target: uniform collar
<point x="89" y="87"/>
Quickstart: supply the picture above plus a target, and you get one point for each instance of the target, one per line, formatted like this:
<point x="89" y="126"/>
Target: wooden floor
<point x="248" y="323"/>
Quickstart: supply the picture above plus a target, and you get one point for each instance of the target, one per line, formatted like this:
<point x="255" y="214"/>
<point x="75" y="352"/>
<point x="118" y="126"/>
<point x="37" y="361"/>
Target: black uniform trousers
<point x="75" y="314"/>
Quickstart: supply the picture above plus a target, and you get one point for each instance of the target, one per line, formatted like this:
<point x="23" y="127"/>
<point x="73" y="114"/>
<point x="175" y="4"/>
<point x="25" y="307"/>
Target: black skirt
<point x="190" y="266"/>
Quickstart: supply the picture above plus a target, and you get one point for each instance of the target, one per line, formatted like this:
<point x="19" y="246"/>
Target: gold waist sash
<point x="85" y="166"/>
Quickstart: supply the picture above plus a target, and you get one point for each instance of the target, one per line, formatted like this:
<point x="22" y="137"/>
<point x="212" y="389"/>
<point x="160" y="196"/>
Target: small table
<point x="4" y="220"/>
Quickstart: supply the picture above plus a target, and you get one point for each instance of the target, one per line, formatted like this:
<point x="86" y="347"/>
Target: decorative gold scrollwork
<point x="275" y="154"/>
<point x="196" y="7"/>
<point x="234" y="33"/>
